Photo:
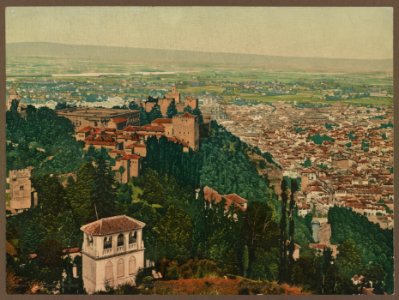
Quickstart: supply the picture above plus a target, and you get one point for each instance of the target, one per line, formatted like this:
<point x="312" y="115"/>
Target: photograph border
<point x="277" y="3"/>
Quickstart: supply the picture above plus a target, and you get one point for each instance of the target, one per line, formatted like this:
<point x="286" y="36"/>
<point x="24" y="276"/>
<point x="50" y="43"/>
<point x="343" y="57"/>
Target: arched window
<point x="132" y="265"/>
<point x="109" y="273"/>
<point x="120" y="240"/>
<point x="89" y="240"/>
<point x="121" y="268"/>
<point x="132" y="237"/>
<point x="108" y="242"/>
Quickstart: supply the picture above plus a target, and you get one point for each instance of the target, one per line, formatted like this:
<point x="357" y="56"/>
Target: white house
<point x="112" y="252"/>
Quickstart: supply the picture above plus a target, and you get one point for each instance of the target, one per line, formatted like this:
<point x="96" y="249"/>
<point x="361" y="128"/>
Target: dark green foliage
<point x="307" y="163"/>
<point x="319" y="139"/>
<point x="144" y="117"/>
<point x="197" y="112"/>
<point x="155" y="113"/>
<point x="94" y="191"/>
<point x="104" y="193"/>
<point x="291" y="226"/>
<point x="386" y="125"/>
<point x="365" y="145"/>
<point x="198" y="268"/>
<point x="227" y="167"/>
<point x="352" y="136"/>
<point x="42" y="140"/>
<point x="245" y="260"/>
<point x="49" y="258"/>
<point x="374" y="245"/>
<point x="330" y="126"/>
<point x="188" y="109"/>
<point x="298" y="129"/>
<point x="61" y="105"/>
<point x="171" y="111"/>
<point x="81" y="194"/>
<point x="222" y="163"/>
<point x="283" y="232"/>
<point x="133" y="105"/>
<point x="174" y="235"/>
<point x="169" y="158"/>
<point x="261" y="234"/>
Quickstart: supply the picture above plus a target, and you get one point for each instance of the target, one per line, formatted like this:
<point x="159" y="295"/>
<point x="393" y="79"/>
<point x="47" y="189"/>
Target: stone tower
<point x="186" y="129"/>
<point x="112" y="252"/>
<point x="315" y="230"/>
<point x="21" y="192"/>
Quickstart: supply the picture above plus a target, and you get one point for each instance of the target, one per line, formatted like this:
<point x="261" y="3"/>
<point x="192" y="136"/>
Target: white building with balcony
<point x="112" y="252"/>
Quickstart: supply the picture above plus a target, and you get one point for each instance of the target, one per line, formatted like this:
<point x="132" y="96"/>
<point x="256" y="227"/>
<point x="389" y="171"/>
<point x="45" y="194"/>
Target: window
<point x="109" y="273"/>
<point x="132" y="265"/>
<point x="108" y="242"/>
<point x="89" y="240"/>
<point x="121" y="268"/>
<point x="21" y="188"/>
<point x="132" y="237"/>
<point x="120" y="240"/>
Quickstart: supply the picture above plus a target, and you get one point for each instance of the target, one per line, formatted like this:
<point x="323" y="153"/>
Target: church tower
<point x="112" y="252"/>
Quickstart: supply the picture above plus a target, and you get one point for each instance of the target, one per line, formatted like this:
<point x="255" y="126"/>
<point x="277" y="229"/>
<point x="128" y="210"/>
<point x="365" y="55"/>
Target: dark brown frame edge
<point x="308" y="3"/>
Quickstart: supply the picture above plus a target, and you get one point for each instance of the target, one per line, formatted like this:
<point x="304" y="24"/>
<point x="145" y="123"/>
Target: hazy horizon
<point x="308" y="32"/>
<point x="199" y="51"/>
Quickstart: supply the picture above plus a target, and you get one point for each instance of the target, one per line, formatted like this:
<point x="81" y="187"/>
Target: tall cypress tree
<point x="291" y="230"/>
<point x="104" y="194"/>
<point x="171" y="111"/>
<point x="283" y="232"/>
<point x="81" y="193"/>
<point x="155" y="113"/>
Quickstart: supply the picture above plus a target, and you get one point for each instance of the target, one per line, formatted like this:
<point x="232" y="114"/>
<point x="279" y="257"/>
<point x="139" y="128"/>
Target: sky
<point x="342" y="32"/>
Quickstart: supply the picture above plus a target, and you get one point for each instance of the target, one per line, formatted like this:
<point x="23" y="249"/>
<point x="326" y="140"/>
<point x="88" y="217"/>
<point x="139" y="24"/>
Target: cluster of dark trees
<point x="43" y="140"/>
<point x="373" y="246"/>
<point x="249" y="244"/>
<point x="155" y="113"/>
<point x="183" y="235"/>
<point x="319" y="139"/>
<point x="54" y="224"/>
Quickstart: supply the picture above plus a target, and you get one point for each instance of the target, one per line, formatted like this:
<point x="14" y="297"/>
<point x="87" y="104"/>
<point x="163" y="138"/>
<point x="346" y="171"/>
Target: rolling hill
<point x="141" y="55"/>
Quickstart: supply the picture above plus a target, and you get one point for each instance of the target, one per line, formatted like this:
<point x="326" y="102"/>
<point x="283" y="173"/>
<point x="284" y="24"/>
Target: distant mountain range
<point x="179" y="57"/>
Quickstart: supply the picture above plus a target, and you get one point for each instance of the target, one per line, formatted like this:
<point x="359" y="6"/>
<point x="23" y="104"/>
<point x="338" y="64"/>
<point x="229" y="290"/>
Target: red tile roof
<point x="85" y="129"/>
<point x="131" y="128"/>
<point x="139" y="145"/>
<point x="212" y="195"/>
<point x="162" y="121"/>
<point x="119" y="120"/>
<point x="111" y="225"/>
<point x="71" y="250"/>
<point x="152" y="128"/>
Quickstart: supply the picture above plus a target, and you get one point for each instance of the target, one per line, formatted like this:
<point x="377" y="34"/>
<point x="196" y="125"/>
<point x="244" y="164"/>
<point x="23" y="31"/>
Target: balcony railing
<point x="107" y="251"/>
<point x="120" y="248"/>
<point x="133" y="246"/>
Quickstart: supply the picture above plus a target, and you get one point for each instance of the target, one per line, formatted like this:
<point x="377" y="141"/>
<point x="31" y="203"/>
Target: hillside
<point x="141" y="55"/>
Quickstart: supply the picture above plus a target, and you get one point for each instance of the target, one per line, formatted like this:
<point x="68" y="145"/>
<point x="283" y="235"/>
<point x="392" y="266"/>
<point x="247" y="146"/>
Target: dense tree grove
<point x="374" y="245"/>
<point x="248" y="244"/>
<point x="54" y="224"/>
<point x="42" y="140"/>
<point x="184" y="235"/>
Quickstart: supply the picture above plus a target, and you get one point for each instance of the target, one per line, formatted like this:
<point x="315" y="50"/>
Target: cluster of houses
<point x="350" y="165"/>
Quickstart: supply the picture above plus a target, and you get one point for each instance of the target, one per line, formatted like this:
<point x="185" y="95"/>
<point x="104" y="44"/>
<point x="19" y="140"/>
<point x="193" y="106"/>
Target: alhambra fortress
<point x="119" y="130"/>
<point x="113" y="248"/>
